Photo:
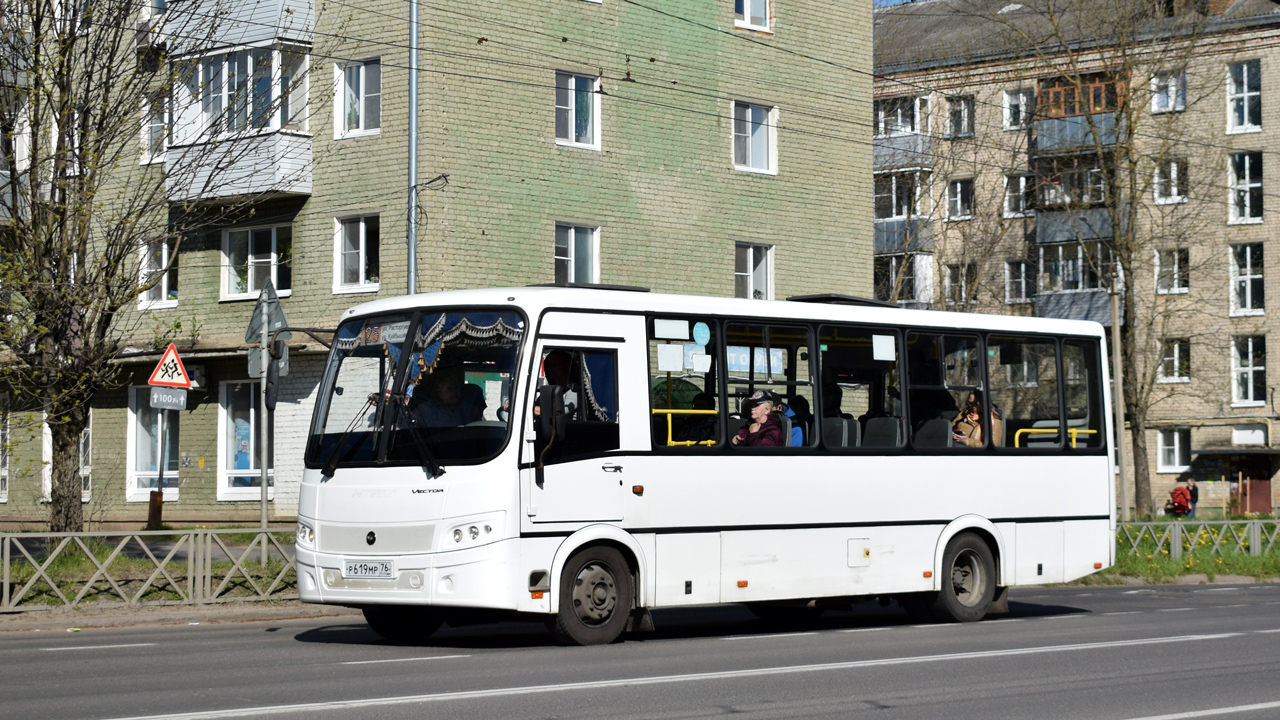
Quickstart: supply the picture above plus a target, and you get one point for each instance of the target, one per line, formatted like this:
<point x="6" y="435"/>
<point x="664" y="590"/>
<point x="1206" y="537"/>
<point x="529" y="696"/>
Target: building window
<point x="899" y="278"/>
<point x="356" y="265"/>
<point x="293" y="91"/>
<point x="1175" y="361"/>
<point x="164" y="293"/>
<point x="4" y="448"/>
<point x="1248" y="365"/>
<point x="1071" y="182"/>
<point x="1247" y="290"/>
<point x="753" y="14"/>
<point x="753" y="138"/>
<point x="239" y="467"/>
<point x="1019" y="282"/>
<point x="1246" y="187"/>
<point x="577" y="110"/>
<point x="1168" y="92"/>
<point x="1174" y="451"/>
<point x="753" y="271"/>
<point x="361" y="98"/>
<point x="1244" y="96"/>
<point x="237" y="91"/>
<point x="1018" y="106"/>
<point x="1073" y="266"/>
<point x="1173" y="271"/>
<point x="901" y="115"/>
<point x="577" y="254"/>
<point x="86" y="458"/>
<point x="1171" y="181"/>
<point x="899" y="195"/>
<point x="960" y="116"/>
<point x="1072" y="96"/>
<point x="1019" y="196"/>
<point x="251" y="256"/>
<point x="960" y="200"/>
<point x="961" y="284"/>
<point x="152" y="439"/>
<point x="155" y="129"/>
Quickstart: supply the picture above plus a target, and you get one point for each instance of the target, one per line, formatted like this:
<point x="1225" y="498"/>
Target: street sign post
<point x="169" y="384"/>
<point x="268" y="317"/>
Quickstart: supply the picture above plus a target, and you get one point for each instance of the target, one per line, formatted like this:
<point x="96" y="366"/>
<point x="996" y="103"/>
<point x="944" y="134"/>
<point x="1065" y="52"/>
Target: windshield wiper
<point x="331" y="464"/>
<point x="419" y="443"/>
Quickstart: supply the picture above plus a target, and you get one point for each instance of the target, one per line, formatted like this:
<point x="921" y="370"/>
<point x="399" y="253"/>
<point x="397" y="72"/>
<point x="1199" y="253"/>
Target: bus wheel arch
<point x="976" y="525"/>
<point x="589" y="557"/>
<point x="966" y="574"/>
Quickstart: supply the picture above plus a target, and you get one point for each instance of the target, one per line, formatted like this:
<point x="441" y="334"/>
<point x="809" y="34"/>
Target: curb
<point x="72" y="619"/>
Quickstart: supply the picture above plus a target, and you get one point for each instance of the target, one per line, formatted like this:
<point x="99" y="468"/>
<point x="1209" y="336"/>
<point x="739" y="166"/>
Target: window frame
<point x="363" y="286"/>
<point x="742" y="21"/>
<point x="1170" y="173"/>
<point x="595" y="93"/>
<point x="1164" y="84"/>
<point x="340" y="131"/>
<point x="146" y="155"/>
<point x="961" y="108"/>
<point x="168" y="283"/>
<point x="139" y="394"/>
<point x="919" y="105"/>
<point x="1243" y="96"/>
<point x="85" y="448"/>
<point x="572" y="258"/>
<point x="1026" y="104"/>
<point x="750" y="275"/>
<point x="919" y="179"/>
<point x="1175" y="352"/>
<point x="6" y="440"/>
<point x="967" y="274"/>
<point x="1239" y="369"/>
<point x="1026" y="194"/>
<point x="770" y="125"/>
<point x="1255" y="272"/>
<point x="1027" y="282"/>
<point x="1181" y="445"/>
<point x="1081" y="264"/>
<point x="1242" y="187"/>
<point x="1181" y="272"/>
<point x="227" y="268"/>
<point x="227" y="493"/>
<point x="921" y="275"/>
<point x="960" y="199"/>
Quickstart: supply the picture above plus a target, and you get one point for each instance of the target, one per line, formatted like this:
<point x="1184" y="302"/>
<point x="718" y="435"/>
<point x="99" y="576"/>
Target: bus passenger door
<point x="581" y="476"/>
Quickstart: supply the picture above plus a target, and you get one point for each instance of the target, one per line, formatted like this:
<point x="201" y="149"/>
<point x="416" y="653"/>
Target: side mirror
<point x="551" y="415"/>
<point x="273" y="375"/>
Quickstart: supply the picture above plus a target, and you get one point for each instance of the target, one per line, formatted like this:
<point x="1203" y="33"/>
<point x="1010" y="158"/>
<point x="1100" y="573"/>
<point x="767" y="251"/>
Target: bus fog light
<point x="474" y="532"/>
<point x="415" y="580"/>
<point x="457" y="535"/>
<point x="330" y="577"/>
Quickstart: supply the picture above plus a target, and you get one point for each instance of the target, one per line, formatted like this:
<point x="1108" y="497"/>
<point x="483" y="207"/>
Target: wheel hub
<point x="966" y="578"/>
<point x="595" y="594"/>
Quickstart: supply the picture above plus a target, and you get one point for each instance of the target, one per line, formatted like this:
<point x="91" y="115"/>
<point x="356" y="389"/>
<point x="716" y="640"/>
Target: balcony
<point x="1053" y="226"/>
<point x="187" y="32"/>
<point x="1076" y="305"/>
<point x="275" y="162"/>
<point x="907" y="234"/>
<point x="901" y="151"/>
<point x="1072" y="134"/>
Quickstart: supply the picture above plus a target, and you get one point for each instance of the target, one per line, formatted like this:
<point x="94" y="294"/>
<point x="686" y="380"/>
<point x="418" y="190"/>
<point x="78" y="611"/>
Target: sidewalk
<point x="62" y="619"/>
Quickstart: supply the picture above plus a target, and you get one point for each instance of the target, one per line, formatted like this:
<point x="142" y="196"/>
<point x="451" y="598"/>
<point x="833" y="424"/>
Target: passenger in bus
<point x="765" y="428"/>
<point x="803" y="418"/>
<point x="445" y="404"/>
<point x="966" y="428"/>
<point x="699" y="428"/>
<point x="557" y="368"/>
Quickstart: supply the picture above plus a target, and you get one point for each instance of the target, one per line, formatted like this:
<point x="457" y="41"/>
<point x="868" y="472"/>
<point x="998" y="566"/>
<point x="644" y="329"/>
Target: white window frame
<point x="572" y="257"/>
<point x="86" y="453"/>
<point x="1252" y="70"/>
<point x="1245" y="367"/>
<point x="1169" y="182"/>
<point x="364" y="285"/>
<point x="886" y="126"/>
<point x="340" y="129"/>
<point x="1180" y="276"/>
<point x="216" y="94"/>
<point x="1016" y="187"/>
<point x="6" y="438"/>
<point x="147" y="156"/>
<point x="760" y="261"/>
<point x="960" y="107"/>
<point x="1078" y="265"/>
<point x="1024" y="99"/>
<point x="142" y="394"/>
<point x="920" y="197"/>
<point x="1177" y="440"/>
<point x="1175" y="351"/>
<point x="956" y="196"/>
<point x="1166" y="85"/>
<point x="571" y="109"/>
<point x="1020" y="284"/>
<point x="742" y="20"/>
<point x="227" y="493"/>
<point x="1239" y="170"/>
<point x="146" y="269"/>
<point x="959" y="274"/>
<point x="227" y="269"/>
<point x="770" y="130"/>
<point x="921" y="278"/>
<point x="1255" y="269"/>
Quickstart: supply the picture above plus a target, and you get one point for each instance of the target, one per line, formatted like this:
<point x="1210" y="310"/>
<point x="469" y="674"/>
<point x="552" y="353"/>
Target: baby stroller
<point x="1179" y="503"/>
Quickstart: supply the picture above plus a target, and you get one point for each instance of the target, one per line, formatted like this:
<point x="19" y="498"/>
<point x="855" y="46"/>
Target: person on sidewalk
<point x="1195" y="496"/>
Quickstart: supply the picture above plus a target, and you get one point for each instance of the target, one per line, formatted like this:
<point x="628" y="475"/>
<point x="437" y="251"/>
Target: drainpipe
<point x="412" y="225"/>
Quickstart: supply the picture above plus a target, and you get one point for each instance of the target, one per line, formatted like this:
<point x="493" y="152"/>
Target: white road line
<point x="390" y="660"/>
<point x="1174" y="609"/>
<point x="1006" y="620"/>
<point x="1223" y="607"/>
<point x="348" y="706"/>
<point x="1215" y="711"/>
<point x="97" y="647"/>
<point x="1264" y="632"/>
<point x="1126" y="612"/>
<point x="874" y="629"/>
<point x="1137" y="592"/>
<point x="1061" y="617"/>
<point x="1225" y="589"/>
<point x="758" y="637"/>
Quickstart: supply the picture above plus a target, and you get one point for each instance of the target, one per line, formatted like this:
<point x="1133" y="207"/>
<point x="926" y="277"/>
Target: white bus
<point x="568" y="453"/>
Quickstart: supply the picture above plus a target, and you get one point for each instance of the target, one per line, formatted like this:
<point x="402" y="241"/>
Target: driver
<point x="445" y="403"/>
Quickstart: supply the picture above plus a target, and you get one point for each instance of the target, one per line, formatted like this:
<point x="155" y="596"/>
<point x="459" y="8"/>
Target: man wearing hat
<point x="765" y="427"/>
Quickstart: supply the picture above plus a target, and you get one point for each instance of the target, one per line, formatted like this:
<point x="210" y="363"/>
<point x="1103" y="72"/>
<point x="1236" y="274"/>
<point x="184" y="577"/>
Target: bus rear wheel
<point x="595" y="598"/>
<point x="401" y="623"/>
<point x="968" y="580"/>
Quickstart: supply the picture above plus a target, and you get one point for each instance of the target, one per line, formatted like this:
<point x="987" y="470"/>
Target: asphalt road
<point x="1099" y="653"/>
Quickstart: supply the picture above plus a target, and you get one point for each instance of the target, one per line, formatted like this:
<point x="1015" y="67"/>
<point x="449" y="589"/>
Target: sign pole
<point x="262" y="437"/>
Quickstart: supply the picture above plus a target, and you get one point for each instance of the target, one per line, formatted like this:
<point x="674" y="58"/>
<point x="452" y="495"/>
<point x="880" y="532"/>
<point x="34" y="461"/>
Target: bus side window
<point x="943" y="378"/>
<point x="683" y="382"/>
<point x="861" y="399"/>
<point x="591" y="399"/>
<point x="774" y="358"/>
<point x="1023" y="376"/>
<point x="1083" y="382"/>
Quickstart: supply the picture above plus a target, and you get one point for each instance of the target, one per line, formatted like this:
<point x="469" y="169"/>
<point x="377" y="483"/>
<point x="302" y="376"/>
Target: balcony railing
<point x="277" y="162"/>
<point x="1066" y="134"/>
<point x="905" y="235"/>
<point x="900" y="151"/>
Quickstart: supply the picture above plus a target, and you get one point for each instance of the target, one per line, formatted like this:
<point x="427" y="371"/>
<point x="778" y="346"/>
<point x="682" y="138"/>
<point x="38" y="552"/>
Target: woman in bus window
<point x="966" y="428"/>
<point x="765" y="429"/>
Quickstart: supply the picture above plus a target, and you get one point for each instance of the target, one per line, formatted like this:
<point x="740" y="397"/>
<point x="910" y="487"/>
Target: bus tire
<point x="401" y="623"/>
<point x="595" y="598"/>
<point x="968" y="580"/>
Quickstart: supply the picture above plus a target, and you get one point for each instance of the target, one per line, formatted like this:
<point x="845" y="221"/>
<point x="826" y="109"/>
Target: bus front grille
<point x="386" y="539"/>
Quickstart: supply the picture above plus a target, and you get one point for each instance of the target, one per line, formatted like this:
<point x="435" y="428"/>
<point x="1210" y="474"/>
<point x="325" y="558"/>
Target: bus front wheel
<point x="595" y="598"/>
<point x="968" y="580"/>
<point x="402" y="624"/>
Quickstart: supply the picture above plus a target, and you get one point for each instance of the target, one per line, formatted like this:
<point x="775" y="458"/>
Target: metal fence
<point x="42" y="571"/>
<point x="1223" y="537"/>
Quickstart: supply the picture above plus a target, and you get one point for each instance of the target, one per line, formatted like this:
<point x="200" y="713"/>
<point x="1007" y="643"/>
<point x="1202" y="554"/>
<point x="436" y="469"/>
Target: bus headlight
<point x="306" y="535"/>
<point x="474" y="532"/>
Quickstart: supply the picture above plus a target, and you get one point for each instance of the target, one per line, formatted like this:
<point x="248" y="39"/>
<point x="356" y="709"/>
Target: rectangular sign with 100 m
<point x="166" y="398"/>
<point x="367" y="569"/>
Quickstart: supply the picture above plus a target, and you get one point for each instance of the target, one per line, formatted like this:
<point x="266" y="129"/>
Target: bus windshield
<point x="417" y="388"/>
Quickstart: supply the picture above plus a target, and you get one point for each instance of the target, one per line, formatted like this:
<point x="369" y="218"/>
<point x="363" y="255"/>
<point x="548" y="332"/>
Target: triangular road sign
<point x="170" y="372"/>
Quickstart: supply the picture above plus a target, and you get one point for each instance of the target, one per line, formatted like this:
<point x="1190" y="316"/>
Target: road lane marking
<point x="1126" y="612"/>
<point x="874" y="629"/>
<point x="1174" y="609"/>
<point x="1006" y="620"/>
<point x="1061" y="617"/>
<point x="390" y="660"/>
<point x="97" y="647"/>
<point x="349" y="706"/>
<point x="1215" y="711"/>
<point x="1231" y="606"/>
<point x="757" y="637"/>
<point x="1277" y="630"/>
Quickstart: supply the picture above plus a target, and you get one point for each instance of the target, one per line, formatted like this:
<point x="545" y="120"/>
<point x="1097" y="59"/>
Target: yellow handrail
<point x="671" y="442"/>
<point x="1073" y="432"/>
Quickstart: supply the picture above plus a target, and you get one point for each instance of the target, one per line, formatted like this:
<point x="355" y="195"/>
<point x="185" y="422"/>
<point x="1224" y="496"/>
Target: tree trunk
<point x="66" y="511"/>
<point x="1141" y="470"/>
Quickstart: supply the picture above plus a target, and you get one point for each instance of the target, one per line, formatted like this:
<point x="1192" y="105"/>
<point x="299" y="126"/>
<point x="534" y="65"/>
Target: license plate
<point x="367" y="569"/>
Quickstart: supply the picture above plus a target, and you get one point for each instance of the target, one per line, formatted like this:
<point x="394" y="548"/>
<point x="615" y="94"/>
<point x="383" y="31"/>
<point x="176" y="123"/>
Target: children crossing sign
<point x="170" y="372"/>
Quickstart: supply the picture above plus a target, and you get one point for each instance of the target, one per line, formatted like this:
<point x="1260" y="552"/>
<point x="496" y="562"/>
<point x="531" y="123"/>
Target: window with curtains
<point x="251" y="256"/>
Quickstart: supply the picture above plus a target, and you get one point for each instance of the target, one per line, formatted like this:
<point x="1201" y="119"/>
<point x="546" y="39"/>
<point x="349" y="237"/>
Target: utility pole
<point x="412" y="225"/>
<point x="1117" y="397"/>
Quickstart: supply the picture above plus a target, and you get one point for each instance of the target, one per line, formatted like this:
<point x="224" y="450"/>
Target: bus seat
<point x="786" y="429"/>
<point x="736" y="423"/>
<point x="835" y="432"/>
<point x="1004" y="428"/>
<point x="933" y="433"/>
<point x="1045" y="440"/>
<point x="882" y="432"/>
